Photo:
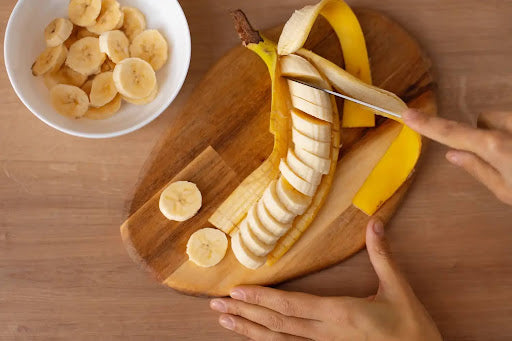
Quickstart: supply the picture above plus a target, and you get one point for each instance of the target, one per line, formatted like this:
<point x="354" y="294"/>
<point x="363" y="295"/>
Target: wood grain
<point x="64" y="273"/>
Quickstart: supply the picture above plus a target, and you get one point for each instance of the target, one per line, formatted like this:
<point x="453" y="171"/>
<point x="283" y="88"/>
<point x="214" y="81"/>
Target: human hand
<point x="484" y="152"/>
<point x="394" y="313"/>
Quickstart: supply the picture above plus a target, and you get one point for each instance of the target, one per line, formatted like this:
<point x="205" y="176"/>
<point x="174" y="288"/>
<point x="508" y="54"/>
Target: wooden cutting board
<point x="222" y="135"/>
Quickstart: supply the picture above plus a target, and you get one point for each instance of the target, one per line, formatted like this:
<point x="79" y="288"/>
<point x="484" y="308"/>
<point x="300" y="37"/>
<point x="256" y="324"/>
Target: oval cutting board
<point x="222" y="135"/>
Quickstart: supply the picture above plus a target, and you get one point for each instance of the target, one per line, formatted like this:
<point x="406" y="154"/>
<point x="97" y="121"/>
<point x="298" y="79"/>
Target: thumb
<point x="390" y="277"/>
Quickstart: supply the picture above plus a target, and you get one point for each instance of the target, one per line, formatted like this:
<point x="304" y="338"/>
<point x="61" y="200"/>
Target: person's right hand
<point x="484" y="152"/>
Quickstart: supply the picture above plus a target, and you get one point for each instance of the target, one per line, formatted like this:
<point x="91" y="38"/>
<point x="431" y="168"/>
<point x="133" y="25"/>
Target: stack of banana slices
<point x="308" y="159"/>
<point x="99" y="56"/>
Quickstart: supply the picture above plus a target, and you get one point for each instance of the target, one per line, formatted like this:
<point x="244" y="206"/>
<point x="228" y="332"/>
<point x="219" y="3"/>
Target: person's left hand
<point x="394" y="313"/>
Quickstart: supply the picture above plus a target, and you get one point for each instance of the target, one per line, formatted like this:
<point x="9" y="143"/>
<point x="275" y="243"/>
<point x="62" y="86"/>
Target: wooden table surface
<point x="64" y="273"/>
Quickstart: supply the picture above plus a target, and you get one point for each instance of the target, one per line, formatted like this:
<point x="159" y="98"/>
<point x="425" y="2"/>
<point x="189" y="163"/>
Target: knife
<point x="348" y="98"/>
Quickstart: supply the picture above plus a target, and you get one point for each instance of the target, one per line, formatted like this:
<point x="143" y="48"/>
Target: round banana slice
<point x="296" y="181"/>
<point x="311" y="126"/>
<point x="151" y="46"/>
<point x="275" y="206"/>
<point x="301" y="169"/>
<point x="259" y="229"/>
<point x="50" y="60"/>
<point x="109" y="17"/>
<point x="145" y="100"/>
<point x="256" y="246"/>
<point x="316" y="162"/>
<point x="65" y="75"/>
<point x="134" y="78"/>
<point x="115" y="44"/>
<point x="85" y="56"/>
<point x="57" y="32"/>
<point x="313" y="109"/>
<point x="108" y="66"/>
<point x="87" y="87"/>
<point x="83" y="33"/>
<point x="322" y="149"/>
<point x="134" y="22"/>
<point x="84" y="12"/>
<point x="244" y="255"/>
<point x="206" y="247"/>
<point x="103" y="89"/>
<point x="106" y="111"/>
<point x="180" y="201"/>
<point x="294" y="201"/>
<point x="270" y="223"/>
<point x="69" y="100"/>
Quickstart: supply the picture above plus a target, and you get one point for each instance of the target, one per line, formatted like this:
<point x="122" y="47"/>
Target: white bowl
<point x="24" y="42"/>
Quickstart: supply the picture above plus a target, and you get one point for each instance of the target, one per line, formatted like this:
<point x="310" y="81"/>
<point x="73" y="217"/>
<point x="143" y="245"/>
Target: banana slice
<point x="84" y="12"/>
<point x="311" y="126"/>
<point x="103" y="89"/>
<point x="244" y="255"/>
<point x="109" y="17"/>
<point x="106" y="111"/>
<point x="83" y="33"/>
<point x="277" y="228"/>
<point x="151" y="46"/>
<point x="87" y="87"/>
<point x="65" y="75"/>
<point x="206" y="247"/>
<point x="134" y="22"/>
<point x="115" y="44"/>
<point x="256" y="246"/>
<point x="296" y="181"/>
<point x="120" y="23"/>
<point x="145" y="100"/>
<point x="316" y="162"/>
<point x="72" y="38"/>
<point x="312" y="109"/>
<point x="85" y="56"/>
<point x="295" y="66"/>
<point x="258" y="228"/>
<point x="275" y="206"/>
<point x="322" y="149"/>
<point x="301" y="169"/>
<point x="134" y="78"/>
<point x="180" y="201"/>
<point x="108" y="66"/>
<point x="69" y="100"/>
<point x="50" y="60"/>
<point x="294" y="201"/>
<point x="57" y="32"/>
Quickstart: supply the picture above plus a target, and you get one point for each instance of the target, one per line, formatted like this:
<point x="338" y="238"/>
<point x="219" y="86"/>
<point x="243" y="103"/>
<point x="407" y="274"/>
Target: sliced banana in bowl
<point x="134" y="78"/>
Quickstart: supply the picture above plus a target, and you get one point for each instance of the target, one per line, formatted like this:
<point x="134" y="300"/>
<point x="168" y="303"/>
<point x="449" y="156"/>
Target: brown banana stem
<point x="246" y="32"/>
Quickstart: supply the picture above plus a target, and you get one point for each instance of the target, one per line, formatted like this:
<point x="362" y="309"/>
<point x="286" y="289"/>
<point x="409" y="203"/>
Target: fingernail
<point x="218" y="305"/>
<point x="453" y="157"/>
<point x="227" y="322"/>
<point x="378" y="227"/>
<point x="237" y="295"/>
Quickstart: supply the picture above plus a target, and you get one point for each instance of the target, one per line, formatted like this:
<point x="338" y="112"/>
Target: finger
<point x="287" y="303"/>
<point x="268" y="318"/>
<point x="480" y="170"/>
<point x="253" y="330"/>
<point x="499" y="120"/>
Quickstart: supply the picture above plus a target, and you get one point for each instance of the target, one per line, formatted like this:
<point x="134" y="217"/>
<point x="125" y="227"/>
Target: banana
<point x="103" y="89"/>
<point x="319" y="148"/>
<point x="259" y="229"/>
<point x="244" y="255"/>
<point x="64" y="75"/>
<point x="310" y="126"/>
<point x="72" y="38"/>
<point x="108" y="66"/>
<point x="57" y="32"/>
<point x="296" y="181"/>
<point x="69" y="100"/>
<point x="85" y="56"/>
<point x="151" y="46"/>
<point x="106" y="111"/>
<point x="252" y="242"/>
<point x="83" y="32"/>
<point x="120" y="23"/>
<point x="180" y="201"/>
<point x="206" y="247"/>
<point x="134" y="78"/>
<point x="134" y="22"/>
<point x="109" y="17"/>
<point x="50" y="60"/>
<point x="87" y="87"/>
<point x="84" y="12"/>
<point x="312" y="109"/>
<point x="275" y="206"/>
<point x="294" y="201"/>
<point x="316" y="162"/>
<point x="301" y="169"/>
<point x="295" y="66"/>
<point x="270" y="223"/>
<point x="115" y="44"/>
<point x="311" y="95"/>
<point x="145" y="100"/>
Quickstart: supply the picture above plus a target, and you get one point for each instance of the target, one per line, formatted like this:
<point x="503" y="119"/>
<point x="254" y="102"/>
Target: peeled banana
<point x="108" y="18"/>
<point x="57" y="32"/>
<point x="180" y="201"/>
<point x="134" y="22"/>
<point x="50" y="60"/>
<point x="206" y="247"/>
<point x="115" y="44"/>
<point x="69" y="100"/>
<point x="85" y="56"/>
<point x="84" y="12"/>
<point x="134" y="78"/>
<point x="244" y="255"/>
<point x="152" y="47"/>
